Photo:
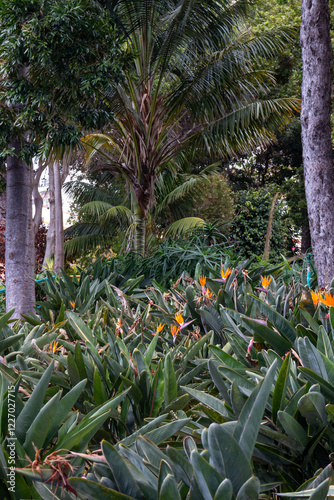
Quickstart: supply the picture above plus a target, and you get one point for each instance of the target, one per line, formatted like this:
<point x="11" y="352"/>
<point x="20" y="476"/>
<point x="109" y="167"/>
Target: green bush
<point x="250" y="225"/>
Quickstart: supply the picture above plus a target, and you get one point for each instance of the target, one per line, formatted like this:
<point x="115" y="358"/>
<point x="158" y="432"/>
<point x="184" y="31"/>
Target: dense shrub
<point x="251" y="222"/>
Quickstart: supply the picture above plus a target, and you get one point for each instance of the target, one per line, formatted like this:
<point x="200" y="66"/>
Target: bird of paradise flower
<point x="224" y="275"/>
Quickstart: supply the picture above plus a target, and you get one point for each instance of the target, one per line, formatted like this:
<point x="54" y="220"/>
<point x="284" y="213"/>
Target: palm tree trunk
<point x="20" y="248"/>
<point x="316" y="134"/>
<point x="140" y="230"/>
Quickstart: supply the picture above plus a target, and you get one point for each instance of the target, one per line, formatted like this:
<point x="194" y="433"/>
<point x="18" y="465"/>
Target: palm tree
<point x="105" y="208"/>
<point x="193" y="83"/>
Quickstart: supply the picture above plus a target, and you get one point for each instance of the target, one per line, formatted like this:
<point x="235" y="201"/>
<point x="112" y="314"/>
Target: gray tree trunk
<point x="59" y="224"/>
<point x="51" y="235"/>
<point x="316" y="134"/>
<point x="20" y="248"/>
<point x="38" y="200"/>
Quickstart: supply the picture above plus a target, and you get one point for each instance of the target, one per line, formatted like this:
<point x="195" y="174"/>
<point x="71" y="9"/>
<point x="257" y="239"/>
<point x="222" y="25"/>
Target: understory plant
<point x="220" y="387"/>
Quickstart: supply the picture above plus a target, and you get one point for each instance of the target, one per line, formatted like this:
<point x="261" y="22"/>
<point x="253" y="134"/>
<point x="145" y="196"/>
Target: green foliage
<point x="59" y="97"/>
<point x="237" y="404"/>
<point x="214" y="201"/>
<point x="251" y="222"/>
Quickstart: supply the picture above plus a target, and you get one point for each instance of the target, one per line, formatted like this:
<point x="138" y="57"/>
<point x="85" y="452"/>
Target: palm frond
<point x="94" y="208"/>
<point x="184" y="227"/>
<point x="120" y="213"/>
<point x="188" y="185"/>
<point x="81" y="244"/>
<point x="246" y="128"/>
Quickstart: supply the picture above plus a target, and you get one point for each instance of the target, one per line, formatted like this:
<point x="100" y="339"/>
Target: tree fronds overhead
<point x="195" y="81"/>
<point x="184" y="227"/>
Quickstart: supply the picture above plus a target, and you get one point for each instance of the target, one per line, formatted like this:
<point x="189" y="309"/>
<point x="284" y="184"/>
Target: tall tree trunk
<point x="38" y="200"/>
<point x="20" y="248"/>
<point x="140" y="230"/>
<point x="270" y="228"/>
<point x="59" y="225"/>
<point x="51" y="235"/>
<point x="316" y="134"/>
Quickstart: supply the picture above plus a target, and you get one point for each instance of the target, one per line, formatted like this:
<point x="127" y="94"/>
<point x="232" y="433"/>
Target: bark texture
<point x="38" y="200"/>
<point x="20" y="248"/>
<point x="316" y="134"/>
<point x="59" y="225"/>
<point x="51" y="235"/>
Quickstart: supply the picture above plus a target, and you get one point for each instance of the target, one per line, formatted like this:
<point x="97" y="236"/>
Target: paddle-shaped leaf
<point x="251" y="415"/>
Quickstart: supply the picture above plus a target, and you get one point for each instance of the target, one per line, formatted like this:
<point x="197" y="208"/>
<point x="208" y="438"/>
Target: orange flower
<point x="179" y="318"/>
<point x="208" y="294"/>
<point x="225" y="274"/>
<point x="54" y="347"/>
<point x="202" y="280"/>
<point x="72" y="304"/>
<point x="119" y="329"/>
<point x="181" y="323"/>
<point x="328" y="300"/>
<point x="265" y="281"/>
<point x="316" y="297"/>
<point x="160" y="327"/>
<point x="174" y="330"/>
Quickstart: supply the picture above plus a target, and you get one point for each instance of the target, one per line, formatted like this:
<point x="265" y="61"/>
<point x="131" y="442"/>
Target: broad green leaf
<point x="193" y="351"/>
<point x="143" y="430"/>
<point x="138" y="462"/>
<point x="238" y="399"/>
<point x="293" y="428"/>
<point x="170" y="389"/>
<point x="224" y="491"/>
<point x="227" y="456"/>
<point x="208" y="400"/>
<point x="84" y="332"/>
<point x="33" y="405"/>
<point x="281" y="387"/>
<point x="79" y="361"/>
<point x="166" y="431"/>
<point x="149" y="451"/>
<point x="276" y="341"/>
<point x="163" y="473"/>
<point x="313" y="407"/>
<point x="313" y="377"/>
<point x="225" y="358"/>
<point x="251" y="415"/>
<point x="73" y="370"/>
<point x="206" y="476"/>
<point x="323" y="491"/>
<point x="99" y="391"/>
<point x="218" y="380"/>
<point x="283" y="326"/>
<point x="169" y="489"/>
<point x="313" y="324"/>
<point x="250" y="490"/>
<point x="157" y="392"/>
<point x="311" y="357"/>
<point x="4" y="344"/>
<point x="122" y="475"/>
<point x="78" y="438"/>
<point x="324" y="344"/>
<point x="39" y="428"/>
<point x="180" y="464"/>
<point x="151" y="349"/>
<point x="93" y="491"/>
